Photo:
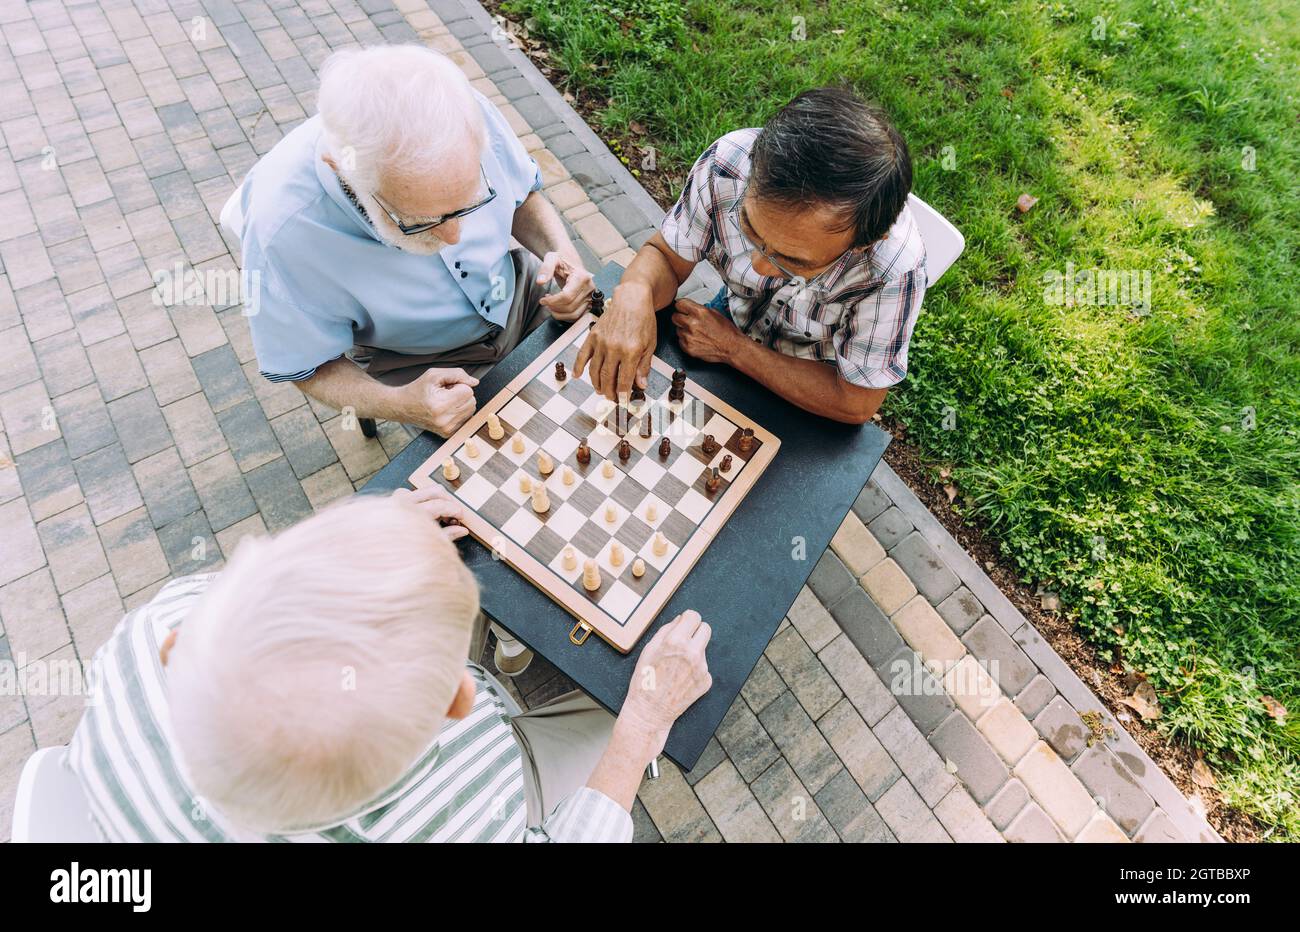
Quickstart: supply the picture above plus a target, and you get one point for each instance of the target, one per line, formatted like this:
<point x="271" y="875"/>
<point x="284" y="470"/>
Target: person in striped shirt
<point x="806" y="221"/>
<point x="319" y="689"/>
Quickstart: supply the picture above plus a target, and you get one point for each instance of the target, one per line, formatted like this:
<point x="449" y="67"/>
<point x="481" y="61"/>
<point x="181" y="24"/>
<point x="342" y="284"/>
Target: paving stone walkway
<point x="904" y="699"/>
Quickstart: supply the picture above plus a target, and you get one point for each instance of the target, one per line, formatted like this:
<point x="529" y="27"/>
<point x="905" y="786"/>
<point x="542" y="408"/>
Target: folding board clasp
<point x="585" y="630"/>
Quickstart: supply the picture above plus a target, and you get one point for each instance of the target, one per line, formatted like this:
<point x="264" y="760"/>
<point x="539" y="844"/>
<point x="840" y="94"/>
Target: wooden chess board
<point x="555" y="416"/>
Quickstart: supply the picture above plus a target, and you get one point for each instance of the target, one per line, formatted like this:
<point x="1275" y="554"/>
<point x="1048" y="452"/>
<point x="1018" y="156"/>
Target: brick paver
<point x="138" y="442"/>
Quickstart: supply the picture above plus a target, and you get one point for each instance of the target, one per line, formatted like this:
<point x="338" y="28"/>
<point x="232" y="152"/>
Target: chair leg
<point x="368" y="427"/>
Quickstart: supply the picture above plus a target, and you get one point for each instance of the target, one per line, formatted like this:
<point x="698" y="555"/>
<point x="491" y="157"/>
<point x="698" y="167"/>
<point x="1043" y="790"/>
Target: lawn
<point x="1144" y="462"/>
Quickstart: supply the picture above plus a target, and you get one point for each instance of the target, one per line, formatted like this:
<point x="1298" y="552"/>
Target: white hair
<point x="397" y="111"/>
<point x="321" y="664"/>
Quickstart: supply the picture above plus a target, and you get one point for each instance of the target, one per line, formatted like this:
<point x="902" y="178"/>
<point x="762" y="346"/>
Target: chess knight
<point x="806" y="221"/>
<point x="380" y="234"/>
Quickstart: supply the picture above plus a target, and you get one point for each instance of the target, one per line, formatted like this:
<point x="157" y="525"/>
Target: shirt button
<point x="464" y="274"/>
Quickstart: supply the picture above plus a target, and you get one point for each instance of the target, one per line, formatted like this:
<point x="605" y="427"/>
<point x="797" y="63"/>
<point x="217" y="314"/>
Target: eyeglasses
<point x="743" y="227"/>
<point x="412" y="229"/>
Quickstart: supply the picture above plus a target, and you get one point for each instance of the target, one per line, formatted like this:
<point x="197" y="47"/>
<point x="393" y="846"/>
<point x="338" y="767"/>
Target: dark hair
<point x="829" y="147"/>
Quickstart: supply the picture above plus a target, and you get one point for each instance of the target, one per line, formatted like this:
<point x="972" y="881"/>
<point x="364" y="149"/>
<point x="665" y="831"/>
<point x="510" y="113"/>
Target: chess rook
<point x="570" y="558"/>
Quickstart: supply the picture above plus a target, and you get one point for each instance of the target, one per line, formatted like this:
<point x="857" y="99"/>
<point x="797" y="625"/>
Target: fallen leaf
<point x="951" y="491"/>
<point x="1201" y="774"/>
<point x="1049" y="601"/>
<point x="949" y="766"/>
<point x="1276" y="710"/>
<point x="1144" y="702"/>
<point x="1008" y="92"/>
<point x="637" y="128"/>
<point x="1024" y="202"/>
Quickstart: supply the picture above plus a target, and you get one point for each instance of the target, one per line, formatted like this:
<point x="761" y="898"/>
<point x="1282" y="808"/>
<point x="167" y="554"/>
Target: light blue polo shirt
<point x="324" y="281"/>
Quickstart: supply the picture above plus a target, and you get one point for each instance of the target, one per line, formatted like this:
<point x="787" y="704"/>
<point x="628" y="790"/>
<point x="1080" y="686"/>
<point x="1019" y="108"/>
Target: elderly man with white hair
<point x="378" y="237"/>
<point x="280" y="700"/>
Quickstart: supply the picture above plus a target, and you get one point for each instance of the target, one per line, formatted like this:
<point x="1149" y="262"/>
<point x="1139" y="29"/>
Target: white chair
<point x="50" y="806"/>
<point x="943" y="241"/>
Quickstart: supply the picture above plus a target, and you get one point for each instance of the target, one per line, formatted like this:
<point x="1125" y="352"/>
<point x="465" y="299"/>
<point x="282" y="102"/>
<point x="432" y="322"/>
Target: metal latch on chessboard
<point x="575" y="638"/>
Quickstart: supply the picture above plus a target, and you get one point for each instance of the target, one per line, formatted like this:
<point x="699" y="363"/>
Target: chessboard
<point x="604" y="507"/>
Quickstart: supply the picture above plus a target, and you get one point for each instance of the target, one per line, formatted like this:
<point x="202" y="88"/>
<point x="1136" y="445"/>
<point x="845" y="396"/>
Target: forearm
<point x="812" y="385"/>
<point x="620" y="769"/>
<point x="540" y="230"/>
<point x="341" y="384"/>
<point x="649" y="281"/>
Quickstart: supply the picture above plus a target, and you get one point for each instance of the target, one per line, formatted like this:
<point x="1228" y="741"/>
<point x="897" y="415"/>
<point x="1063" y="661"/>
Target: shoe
<point x="511" y="666"/>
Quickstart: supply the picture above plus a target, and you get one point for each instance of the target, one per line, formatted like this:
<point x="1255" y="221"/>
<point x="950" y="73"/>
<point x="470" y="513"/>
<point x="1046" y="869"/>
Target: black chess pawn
<point x="725" y="465"/>
<point x="584" y="452"/>
<point x="624" y="451"/>
<point x="665" y="448"/>
<point x="559" y="371"/>
<point x="746" y="442"/>
<point x="710" y="446"/>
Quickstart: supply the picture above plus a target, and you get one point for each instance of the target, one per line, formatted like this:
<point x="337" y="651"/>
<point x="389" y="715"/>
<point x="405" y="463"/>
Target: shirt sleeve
<point x="587" y="816"/>
<point x="521" y="169"/>
<point x="291" y="341"/>
<point x="688" y="227"/>
<point x="871" y="349"/>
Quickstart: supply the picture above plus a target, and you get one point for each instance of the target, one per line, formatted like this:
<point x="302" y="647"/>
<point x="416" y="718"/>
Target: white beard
<point x="421" y="244"/>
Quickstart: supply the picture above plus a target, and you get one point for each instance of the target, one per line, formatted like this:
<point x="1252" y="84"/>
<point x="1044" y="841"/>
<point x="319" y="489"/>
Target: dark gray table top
<point x="745" y="581"/>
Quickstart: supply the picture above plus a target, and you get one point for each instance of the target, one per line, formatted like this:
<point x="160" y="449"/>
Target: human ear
<point x="463" y="701"/>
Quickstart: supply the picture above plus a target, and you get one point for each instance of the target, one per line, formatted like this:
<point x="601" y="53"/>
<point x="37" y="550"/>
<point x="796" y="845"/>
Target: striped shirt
<point x="467" y="786"/>
<point x="858" y="314"/>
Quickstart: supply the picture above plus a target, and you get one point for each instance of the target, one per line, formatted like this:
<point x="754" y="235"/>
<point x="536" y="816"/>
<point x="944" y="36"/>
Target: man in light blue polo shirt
<point x="380" y="230"/>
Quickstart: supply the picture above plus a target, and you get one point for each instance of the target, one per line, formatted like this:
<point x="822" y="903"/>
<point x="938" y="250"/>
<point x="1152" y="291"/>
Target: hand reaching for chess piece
<point x="438" y="504"/>
<point x="571" y="301"/>
<point x="440" y="400"/>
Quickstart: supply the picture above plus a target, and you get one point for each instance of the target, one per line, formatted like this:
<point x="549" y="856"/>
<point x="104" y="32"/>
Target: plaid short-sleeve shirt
<point x="858" y="314"/>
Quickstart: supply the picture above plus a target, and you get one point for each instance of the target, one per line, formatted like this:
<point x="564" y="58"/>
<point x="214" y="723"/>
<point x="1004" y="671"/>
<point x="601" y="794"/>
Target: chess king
<point x="378" y="235"/>
<point x="806" y="220"/>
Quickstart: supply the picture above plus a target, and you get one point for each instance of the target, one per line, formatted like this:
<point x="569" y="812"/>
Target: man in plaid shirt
<point x="806" y="220"/>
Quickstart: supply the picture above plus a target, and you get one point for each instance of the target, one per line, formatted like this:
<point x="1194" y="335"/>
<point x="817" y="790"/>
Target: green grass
<point x="1105" y="451"/>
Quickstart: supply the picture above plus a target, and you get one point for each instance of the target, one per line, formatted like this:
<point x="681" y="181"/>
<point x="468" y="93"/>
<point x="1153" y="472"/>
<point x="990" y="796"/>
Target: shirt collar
<point x="330" y="182"/>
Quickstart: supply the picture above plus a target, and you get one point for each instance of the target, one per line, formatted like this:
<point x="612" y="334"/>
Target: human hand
<point x="620" y="345"/>
<point x="704" y="333"/>
<point x="671" y="673"/>
<point x="574" y="297"/>
<point x="438" y="504"/>
<point x="441" y="400"/>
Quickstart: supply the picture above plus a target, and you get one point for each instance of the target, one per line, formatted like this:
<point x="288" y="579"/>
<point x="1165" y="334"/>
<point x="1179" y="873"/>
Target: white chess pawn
<point x="545" y="465"/>
<point x="638" y="567"/>
<point x="611" y="513"/>
<point x="541" y="502"/>
<point x="590" y="576"/>
<point x="607" y="469"/>
<point x="651" y="512"/>
<point x="525" y="484"/>
<point x="495" y="430"/>
<point x="450" y="471"/>
<point x="616" y="554"/>
<point x="517" y="444"/>
<point x="471" y="449"/>
<point x="660" y="544"/>
<point x="567" y="476"/>
<point x="570" y="558"/>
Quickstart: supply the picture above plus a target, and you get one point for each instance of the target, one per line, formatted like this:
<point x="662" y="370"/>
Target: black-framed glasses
<point x="413" y="229"/>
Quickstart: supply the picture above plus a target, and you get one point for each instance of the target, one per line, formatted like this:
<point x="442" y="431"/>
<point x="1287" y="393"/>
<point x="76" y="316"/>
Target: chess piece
<point x="725" y="465"/>
<point x="541" y="501"/>
<point x="584" y="452"/>
<point x="611" y="513"/>
<point x="607" y="469"/>
<point x="638" y="567"/>
<point x="590" y="576"/>
<point x="624" y="451"/>
<point x="471" y="448"/>
<point x="638" y="394"/>
<point x="525" y="484"/>
<point x="746" y="442"/>
<point x="545" y="465"/>
<point x="677" y="389"/>
<point x="570" y="558"/>
<point x="567" y="476"/>
<point x="450" y="471"/>
<point x="651" y="513"/>
<point x="660" y="544"/>
<point x="517" y="443"/>
<point x="714" y="480"/>
<point x="559" y="371"/>
<point x="710" y="446"/>
<point x="597" y="303"/>
<point x="615" y="554"/>
<point x="665" y="448"/>
<point x="645" y="428"/>
<point x="495" y="430"/>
